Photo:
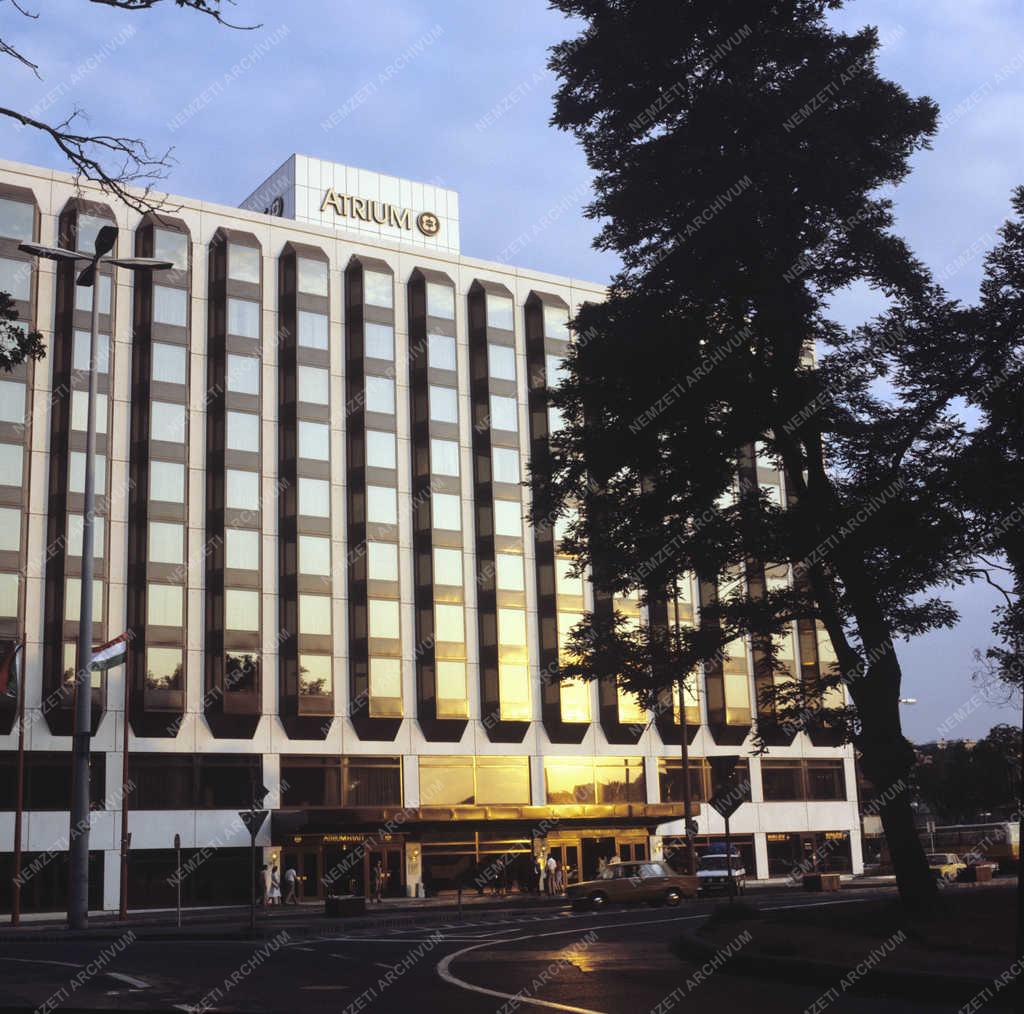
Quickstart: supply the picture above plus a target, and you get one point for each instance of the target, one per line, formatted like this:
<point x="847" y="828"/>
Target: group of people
<point x="270" y="883"/>
<point x="554" y="879"/>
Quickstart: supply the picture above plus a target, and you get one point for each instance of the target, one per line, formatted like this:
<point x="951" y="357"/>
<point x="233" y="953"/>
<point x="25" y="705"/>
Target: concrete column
<point x="538" y="790"/>
<point x="112" y="879"/>
<point x="655" y="847"/>
<point x="651" y="784"/>
<point x="761" y="855"/>
<point x="272" y="780"/>
<point x="411" y="780"/>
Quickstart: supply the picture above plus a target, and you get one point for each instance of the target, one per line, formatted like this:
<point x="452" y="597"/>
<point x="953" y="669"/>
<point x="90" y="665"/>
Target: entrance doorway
<point x="306" y="863"/>
<point x="567" y="856"/>
<point x="390" y="857"/>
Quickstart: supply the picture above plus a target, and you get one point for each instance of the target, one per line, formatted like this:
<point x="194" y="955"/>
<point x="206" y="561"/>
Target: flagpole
<point x="123" y="914"/>
<point x="20" y="804"/>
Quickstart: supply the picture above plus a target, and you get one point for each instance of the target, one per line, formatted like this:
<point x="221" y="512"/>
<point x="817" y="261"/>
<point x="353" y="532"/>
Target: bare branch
<point x="21" y="10"/>
<point x="88" y="154"/>
<point x="8" y="50"/>
<point x="208" y="7"/>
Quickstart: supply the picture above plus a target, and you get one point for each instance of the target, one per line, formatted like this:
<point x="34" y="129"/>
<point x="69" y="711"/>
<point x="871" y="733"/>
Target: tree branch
<point x="208" y="7"/>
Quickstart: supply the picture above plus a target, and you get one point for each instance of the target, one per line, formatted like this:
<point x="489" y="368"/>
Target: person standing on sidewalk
<point x="379" y="877"/>
<point x="274" y="898"/>
<point x="551" y="870"/>
<point x="291" y="879"/>
<point x="265" y="886"/>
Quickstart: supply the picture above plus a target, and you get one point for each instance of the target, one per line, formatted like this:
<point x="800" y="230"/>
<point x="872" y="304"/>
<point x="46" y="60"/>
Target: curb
<point x="905" y="984"/>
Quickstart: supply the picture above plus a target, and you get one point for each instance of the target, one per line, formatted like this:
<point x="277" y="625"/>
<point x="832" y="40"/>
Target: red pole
<point x="123" y="913"/>
<point x="20" y="804"/>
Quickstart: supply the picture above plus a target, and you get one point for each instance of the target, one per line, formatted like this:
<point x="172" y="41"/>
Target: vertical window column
<point x="375" y="630"/>
<point x="306" y="645"/>
<point x="498" y="502"/>
<point x="233" y="689"/>
<point x="19" y="222"/>
<point x="565" y="706"/>
<point x="78" y="225"/>
<point x="441" y="664"/>
<point x="157" y="592"/>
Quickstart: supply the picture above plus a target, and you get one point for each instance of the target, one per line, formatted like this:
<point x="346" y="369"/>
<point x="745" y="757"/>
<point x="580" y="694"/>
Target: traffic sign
<point x="728" y="800"/>
<point x="253" y="820"/>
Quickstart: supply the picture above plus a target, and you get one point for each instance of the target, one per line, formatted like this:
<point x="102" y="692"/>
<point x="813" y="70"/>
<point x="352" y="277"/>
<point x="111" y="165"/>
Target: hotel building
<point x="313" y="435"/>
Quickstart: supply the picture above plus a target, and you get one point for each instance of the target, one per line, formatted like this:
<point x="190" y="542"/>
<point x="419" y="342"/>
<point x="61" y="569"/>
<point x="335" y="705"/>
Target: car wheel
<point x="673" y="896"/>
<point x="598" y="900"/>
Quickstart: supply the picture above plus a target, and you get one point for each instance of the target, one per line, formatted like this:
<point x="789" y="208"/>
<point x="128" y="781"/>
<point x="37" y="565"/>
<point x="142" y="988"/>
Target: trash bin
<point x="340" y="905"/>
<point x="821" y="882"/>
<point x="980" y="874"/>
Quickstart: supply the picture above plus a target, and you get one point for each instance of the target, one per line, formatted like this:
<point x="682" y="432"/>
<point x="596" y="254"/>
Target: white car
<point x="713" y="873"/>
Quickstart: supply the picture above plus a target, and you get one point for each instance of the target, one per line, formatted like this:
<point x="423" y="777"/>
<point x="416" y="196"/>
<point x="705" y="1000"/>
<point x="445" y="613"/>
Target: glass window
<point x="554" y="367"/>
<point x="569" y="781"/>
<point x="243" y="432"/>
<point x="167" y="481"/>
<point x="441" y="352"/>
<point x="556" y="420"/>
<point x="506" y="464"/>
<point x="242" y="490"/>
<point x="444" y="457"/>
<point x="76" y="472"/>
<point x="166" y="542"/>
<point x="620" y="780"/>
<point x="313" y="276"/>
<point x="312" y="329"/>
<point x="380" y="449"/>
<point x="10" y="527"/>
<point x="508" y="518"/>
<point x="385" y="685"/>
<point x="449" y="623"/>
<point x="83" y="296"/>
<point x="165" y="605"/>
<point x="380" y="395"/>
<point x="512" y="627"/>
<point x="450" y="690"/>
<point x="378" y="289"/>
<point x="164" y="668"/>
<point x="509" y="570"/>
<point x="9" y="595"/>
<point x="565" y="583"/>
<point x="314" y="497"/>
<point x="440" y="301"/>
<point x="243" y="263"/>
<point x="383" y="619"/>
<point x="314" y="440"/>
<point x="315" y="555"/>
<point x="575" y="700"/>
<point x="500" y="312"/>
<point x="630" y="710"/>
<point x="167" y="422"/>
<point x="11" y="460"/>
<point x="242" y="609"/>
<point x="447" y="781"/>
<point x="170" y="306"/>
<point x="316" y="677"/>
<point x="501" y="361"/>
<point x="243" y="374"/>
<point x="314" y="385"/>
<point x="780" y="780"/>
<point x="169" y="363"/>
<point x="16" y="278"/>
<point x="382" y="505"/>
<point x="80" y="353"/>
<point x="446" y="511"/>
<point x="382" y="561"/>
<point x="315" y="615"/>
<point x="241" y="671"/>
<point x="556" y="322"/>
<point x="171" y="246"/>
<point x="244" y="317"/>
<point x="88" y="227"/>
<point x="448" y="566"/>
<point x="444" y="404"/>
<point x="73" y="603"/>
<point x="513" y="692"/>
<point x="17" y="219"/>
<point x="825" y="780"/>
<point x="502" y="780"/>
<point x="79" y="407"/>
<point x="379" y="340"/>
<point x="504" y="413"/>
<point x="12" y="405"/>
<point x="242" y="548"/>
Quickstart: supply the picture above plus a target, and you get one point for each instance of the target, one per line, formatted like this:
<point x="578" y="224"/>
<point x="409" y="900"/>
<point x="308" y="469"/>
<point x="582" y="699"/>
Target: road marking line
<point x="130" y="979"/>
<point x="41" y="961"/>
<point x="444" y="965"/>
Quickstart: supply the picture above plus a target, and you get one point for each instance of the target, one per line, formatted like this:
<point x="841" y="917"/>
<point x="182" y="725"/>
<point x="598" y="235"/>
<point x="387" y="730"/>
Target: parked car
<point x="945" y="866"/>
<point x="713" y="871"/>
<point x="654" y="882"/>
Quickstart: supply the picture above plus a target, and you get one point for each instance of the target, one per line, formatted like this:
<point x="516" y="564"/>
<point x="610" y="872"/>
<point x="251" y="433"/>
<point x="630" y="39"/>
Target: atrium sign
<point x="381" y="212"/>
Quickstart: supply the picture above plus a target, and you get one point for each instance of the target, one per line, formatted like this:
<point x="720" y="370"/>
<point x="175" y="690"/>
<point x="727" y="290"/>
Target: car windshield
<point x="718" y="862"/>
<point x="939" y="857"/>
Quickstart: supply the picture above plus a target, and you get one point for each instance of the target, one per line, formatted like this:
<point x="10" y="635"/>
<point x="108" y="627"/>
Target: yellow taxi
<point x="945" y="865"/>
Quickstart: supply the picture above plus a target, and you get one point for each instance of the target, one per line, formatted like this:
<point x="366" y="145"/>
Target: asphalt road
<point x="616" y="961"/>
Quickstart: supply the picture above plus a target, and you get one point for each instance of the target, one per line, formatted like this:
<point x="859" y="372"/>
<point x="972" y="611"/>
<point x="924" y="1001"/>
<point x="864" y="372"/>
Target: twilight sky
<point x="457" y="93"/>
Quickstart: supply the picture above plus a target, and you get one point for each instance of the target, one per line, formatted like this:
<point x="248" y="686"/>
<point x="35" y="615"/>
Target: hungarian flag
<point x="114" y="652"/>
<point x="9" y="671"/>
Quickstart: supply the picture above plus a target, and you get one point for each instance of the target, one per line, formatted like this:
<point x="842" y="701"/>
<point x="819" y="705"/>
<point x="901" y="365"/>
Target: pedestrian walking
<point x="380" y="877"/>
<point x="535" y="876"/>
<point x="551" y="870"/>
<point x="274" y="898"/>
<point x="265" y="885"/>
<point x="291" y="880"/>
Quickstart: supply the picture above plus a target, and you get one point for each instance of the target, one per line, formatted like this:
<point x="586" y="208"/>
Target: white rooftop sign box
<point x="359" y="201"/>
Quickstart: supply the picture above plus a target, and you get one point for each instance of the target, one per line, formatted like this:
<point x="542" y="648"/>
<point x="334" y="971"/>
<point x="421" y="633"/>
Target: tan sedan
<point x="654" y="882"/>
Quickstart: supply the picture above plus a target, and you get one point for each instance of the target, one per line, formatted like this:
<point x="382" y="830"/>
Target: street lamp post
<point x="78" y="838"/>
